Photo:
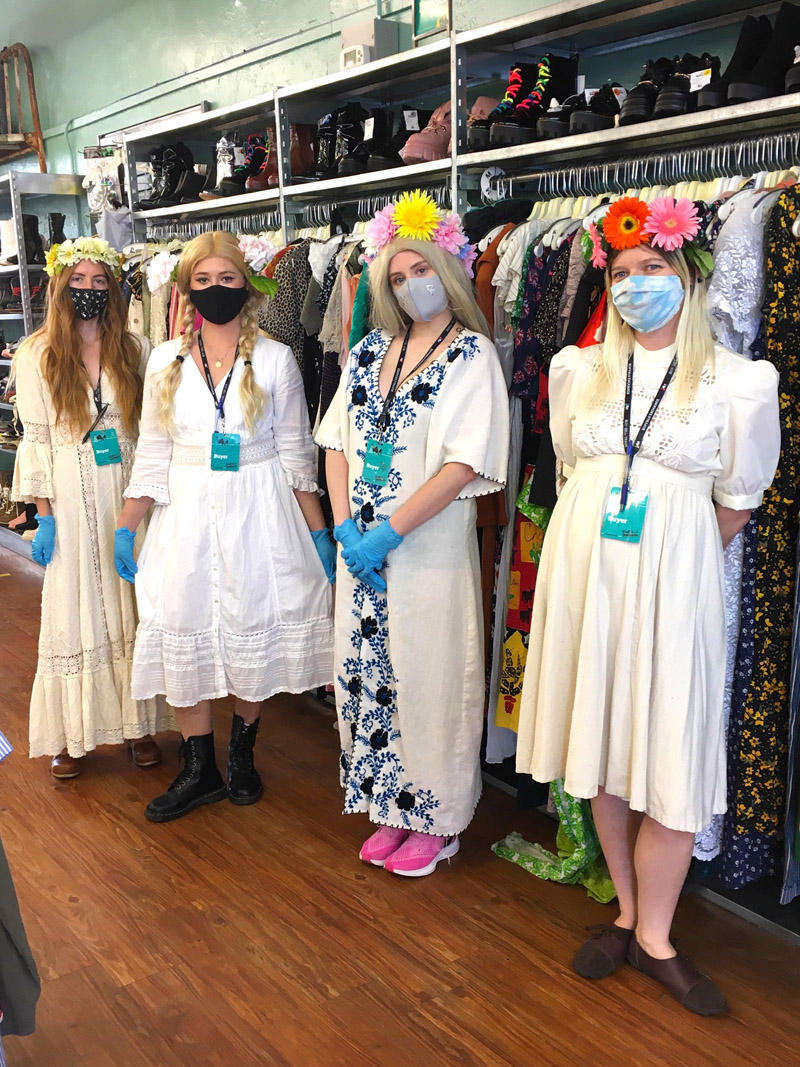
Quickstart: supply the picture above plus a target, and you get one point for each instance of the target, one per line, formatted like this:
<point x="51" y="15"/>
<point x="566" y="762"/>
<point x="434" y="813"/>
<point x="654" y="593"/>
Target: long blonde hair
<point x="387" y="313"/>
<point x="62" y="364"/>
<point x="694" y="340"/>
<point x="252" y="397"/>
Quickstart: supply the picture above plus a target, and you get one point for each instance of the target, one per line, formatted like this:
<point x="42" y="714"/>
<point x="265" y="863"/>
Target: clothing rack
<point x="185" y="229"/>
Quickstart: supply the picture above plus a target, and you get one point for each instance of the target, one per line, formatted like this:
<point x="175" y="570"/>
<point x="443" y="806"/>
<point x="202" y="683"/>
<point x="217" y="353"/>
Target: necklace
<point x="219" y="362"/>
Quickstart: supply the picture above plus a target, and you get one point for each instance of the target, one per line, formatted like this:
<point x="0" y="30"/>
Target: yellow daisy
<point x="416" y="215"/>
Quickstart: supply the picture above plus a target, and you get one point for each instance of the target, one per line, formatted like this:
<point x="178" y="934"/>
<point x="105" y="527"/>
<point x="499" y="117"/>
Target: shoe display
<point x="792" y="83"/>
<point x="387" y="155"/>
<point x="521" y="79"/>
<point x="479" y="113"/>
<point x="605" y="950"/>
<point x="420" y="853"/>
<point x="753" y="38"/>
<point x="690" y="987"/>
<point x="380" y="846"/>
<point x="255" y="151"/>
<point x="199" y="782"/>
<point x="377" y="136"/>
<point x="55" y="227"/>
<point x="208" y="186"/>
<point x="302" y="150"/>
<point x="175" y="161"/>
<point x="267" y="173"/>
<point x="65" y="766"/>
<point x="599" y="114"/>
<point x="639" y="104"/>
<point x="675" y="96"/>
<point x="348" y="150"/>
<point x="145" y="752"/>
<point x="225" y="154"/>
<point x="768" y="75"/>
<point x="326" y="146"/>
<point x="187" y="190"/>
<point x="555" y="123"/>
<point x="430" y="143"/>
<point x="556" y="78"/>
<point x="244" y="783"/>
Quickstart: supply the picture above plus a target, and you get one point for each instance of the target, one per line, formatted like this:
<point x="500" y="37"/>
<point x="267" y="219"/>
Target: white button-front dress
<point x="625" y="675"/>
<point x="232" y="595"/>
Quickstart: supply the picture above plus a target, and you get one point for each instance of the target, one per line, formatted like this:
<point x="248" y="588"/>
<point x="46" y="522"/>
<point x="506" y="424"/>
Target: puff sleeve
<point x="750" y="439"/>
<point x="291" y="427"/>
<point x="470" y="422"/>
<point x="150" y="474"/>
<point x="565" y="369"/>
<point x="333" y="432"/>
<point x="33" y="470"/>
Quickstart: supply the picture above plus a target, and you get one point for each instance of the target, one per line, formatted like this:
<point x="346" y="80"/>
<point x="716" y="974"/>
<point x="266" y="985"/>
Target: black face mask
<point x="219" y="303"/>
<point x="89" y="302"/>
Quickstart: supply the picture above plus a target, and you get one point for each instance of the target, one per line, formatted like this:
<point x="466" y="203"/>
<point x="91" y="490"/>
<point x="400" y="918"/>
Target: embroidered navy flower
<point x="405" y="800"/>
<point x="384" y="696"/>
<point x="354" y="686"/>
<point x="379" y="739"/>
<point x="353" y="731"/>
<point x="369" y="627"/>
<point x="367" y="786"/>
<point x="421" y="392"/>
<point x="367" y="513"/>
<point x="366" y="358"/>
<point x="359" y="395"/>
<point x="453" y="354"/>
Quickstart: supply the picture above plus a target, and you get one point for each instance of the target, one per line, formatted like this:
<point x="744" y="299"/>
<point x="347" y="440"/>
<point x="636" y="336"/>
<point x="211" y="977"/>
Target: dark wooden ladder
<point x="15" y="141"/>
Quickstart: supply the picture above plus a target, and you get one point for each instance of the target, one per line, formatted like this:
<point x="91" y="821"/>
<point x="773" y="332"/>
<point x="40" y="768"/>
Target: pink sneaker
<point x="385" y="841"/>
<point x="430" y="143"/>
<point x="420" y="854"/>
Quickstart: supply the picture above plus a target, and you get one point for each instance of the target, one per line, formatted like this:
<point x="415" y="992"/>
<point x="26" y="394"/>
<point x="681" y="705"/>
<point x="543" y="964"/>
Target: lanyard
<point x="218" y="404"/>
<point x="632" y="447"/>
<point x="101" y="408"/>
<point x="383" y="418"/>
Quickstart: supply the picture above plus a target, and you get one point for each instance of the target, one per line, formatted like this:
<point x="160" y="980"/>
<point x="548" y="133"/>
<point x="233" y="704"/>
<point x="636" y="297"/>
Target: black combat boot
<point x="244" y="784"/>
<point x="199" y="782"/>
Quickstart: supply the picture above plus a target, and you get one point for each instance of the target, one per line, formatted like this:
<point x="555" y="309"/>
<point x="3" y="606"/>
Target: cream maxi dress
<point x="81" y="694"/>
<point x="409" y="662"/>
<point x="625" y="675"/>
<point x="232" y="595"/>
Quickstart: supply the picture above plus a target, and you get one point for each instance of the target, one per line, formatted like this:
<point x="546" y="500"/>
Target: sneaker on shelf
<point x="600" y="113"/>
<point x="419" y="855"/>
<point x="411" y="121"/>
<point x="225" y="158"/>
<point x="678" y="94"/>
<point x="640" y="102"/>
<point x="478" y="113"/>
<point x="768" y="76"/>
<point x="556" y="79"/>
<point x="753" y="38"/>
<point x="255" y="151"/>
<point x="431" y="143"/>
<point x="521" y="79"/>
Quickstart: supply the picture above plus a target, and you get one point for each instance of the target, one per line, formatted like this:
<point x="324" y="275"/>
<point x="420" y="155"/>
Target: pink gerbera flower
<point x="448" y="234"/>
<point x="672" y="222"/>
<point x="599" y="255"/>
<point x="468" y="254"/>
<point x="380" y="230"/>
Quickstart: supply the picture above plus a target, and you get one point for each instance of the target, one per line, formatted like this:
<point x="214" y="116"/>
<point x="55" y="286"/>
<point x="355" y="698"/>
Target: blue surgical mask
<point x="648" y="302"/>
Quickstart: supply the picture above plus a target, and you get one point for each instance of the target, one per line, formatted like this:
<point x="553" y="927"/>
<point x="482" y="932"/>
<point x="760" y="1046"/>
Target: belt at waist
<point x="200" y="455"/>
<point x="644" y="471"/>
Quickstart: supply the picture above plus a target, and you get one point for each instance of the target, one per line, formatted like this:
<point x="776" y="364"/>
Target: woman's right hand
<point x="123" y="553"/>
<point x="44" y="542"/>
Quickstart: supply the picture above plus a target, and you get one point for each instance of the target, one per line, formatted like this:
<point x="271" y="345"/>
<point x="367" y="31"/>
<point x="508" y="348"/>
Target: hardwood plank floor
<point x="254" y="937"/>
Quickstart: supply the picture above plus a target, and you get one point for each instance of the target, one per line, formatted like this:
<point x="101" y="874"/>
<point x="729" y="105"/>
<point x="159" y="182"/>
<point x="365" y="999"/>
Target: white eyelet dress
<point x="625" y="675"/>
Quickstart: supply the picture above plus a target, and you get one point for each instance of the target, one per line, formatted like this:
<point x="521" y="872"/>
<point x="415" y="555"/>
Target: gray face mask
<point x="422" y="299"/>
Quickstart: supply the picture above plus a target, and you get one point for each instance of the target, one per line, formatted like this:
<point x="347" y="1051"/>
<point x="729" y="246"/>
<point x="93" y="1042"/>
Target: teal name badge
<point x="625" y="525"/>
<point x="106" y="447"/>
<point x="224" y="451"/>
<point x="377" y="462"/>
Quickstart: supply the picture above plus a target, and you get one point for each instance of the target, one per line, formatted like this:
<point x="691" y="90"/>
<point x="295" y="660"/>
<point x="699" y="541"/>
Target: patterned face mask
<point x="89" y="302"/>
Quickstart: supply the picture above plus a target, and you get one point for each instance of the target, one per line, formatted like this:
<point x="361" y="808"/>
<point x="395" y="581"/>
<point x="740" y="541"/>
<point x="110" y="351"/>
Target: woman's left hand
<point x="326" y="548"/>
<point x="369" y="553"/>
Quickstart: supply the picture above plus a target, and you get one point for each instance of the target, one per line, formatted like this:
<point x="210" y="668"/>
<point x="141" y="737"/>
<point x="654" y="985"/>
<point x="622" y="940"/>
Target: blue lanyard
<point x="632" y="447"/>
<point x="383" y="419"/>
<point x="218" y="404"/>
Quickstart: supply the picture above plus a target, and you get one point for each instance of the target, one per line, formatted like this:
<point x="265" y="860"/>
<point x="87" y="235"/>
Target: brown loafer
<point x="66" y="766"/>
<point x="145" y="751"/>
<point x="605" y="950"/>
<point x="690" y="987"/>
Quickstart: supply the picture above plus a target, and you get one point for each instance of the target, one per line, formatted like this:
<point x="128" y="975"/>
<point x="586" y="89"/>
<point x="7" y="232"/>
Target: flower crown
<point x="415" y="215"/>
<point x="666" y="223"/>
<point x="70" y="252"/>
<point x="257" y="252"/>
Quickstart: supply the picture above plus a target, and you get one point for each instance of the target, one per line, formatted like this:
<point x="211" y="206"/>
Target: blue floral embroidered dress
<point x="409" y="662"/>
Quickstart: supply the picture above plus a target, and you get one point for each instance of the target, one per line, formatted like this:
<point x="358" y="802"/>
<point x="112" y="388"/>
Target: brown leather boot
<point x="267" y="175"/>
<point x="66" y="766"/>
<point x="303" y="155"/>
<point x="145" y="751"/>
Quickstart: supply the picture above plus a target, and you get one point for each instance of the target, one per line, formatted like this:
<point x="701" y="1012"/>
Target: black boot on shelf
<point x="326" y="146"/>
<point x="155" y="158"/>
<point x="380" y="132"/>
<point x="55" y="227"/>
<point x="793" y="74"/>
<point x="555" y="123"/>
<point x="175" y="161"/>
<point x="599" y="114"/>
<point x="753" y="39"/>
<point x="209" y="184"/>
<point x="6" y="297"/>
<point x="225" y="154"/>
<point x="34" y="249"/>
<point x="387" y="155"/>
<point x="255" y="151"/>
<point x="187" y="191"/>
<point x="768" y="76"/>
<point x="556" y="78"/>
<point x="676" y="97"/>
<point x="244" y="783"/>
<point x="521" y="80"/>
<point x="350" y="139"/>
<point x="639" y="104"/>
<point x="199" y="782"/>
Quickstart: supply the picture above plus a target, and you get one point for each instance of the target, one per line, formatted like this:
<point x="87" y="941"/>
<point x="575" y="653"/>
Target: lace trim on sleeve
<point x="159" y="493"/>
<point x="38" y="433"/>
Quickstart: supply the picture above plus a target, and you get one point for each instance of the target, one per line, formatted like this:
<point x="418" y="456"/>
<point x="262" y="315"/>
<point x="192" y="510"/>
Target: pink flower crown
<point x="415" y="215"/>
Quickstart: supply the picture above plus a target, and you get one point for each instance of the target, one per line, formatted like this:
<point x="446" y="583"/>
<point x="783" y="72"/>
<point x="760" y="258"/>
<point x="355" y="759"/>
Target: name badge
<point x="105" y="447"/>
<point x="377" y="462"/>
<point x="225" y="451"/>
<point x="625" y="525"/>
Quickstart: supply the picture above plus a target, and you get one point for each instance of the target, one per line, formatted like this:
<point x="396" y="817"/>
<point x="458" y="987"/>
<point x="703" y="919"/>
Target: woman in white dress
<point x="233" y="590"/>
<point x="624" y="684"/>
<point x="81" y="372"/>
<point x="417" y="430"/>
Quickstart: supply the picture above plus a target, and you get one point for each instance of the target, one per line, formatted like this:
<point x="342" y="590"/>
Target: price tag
<point x="412" y="120"/>
<point x="225" y="451"/>
<point x="369" y="129"/>
<point x="699" y="79"/>
<point x="589" y="93"/>
<point x="620" y="93"/>
<point x="105" y="447"/>
<point x="238" y="157"/>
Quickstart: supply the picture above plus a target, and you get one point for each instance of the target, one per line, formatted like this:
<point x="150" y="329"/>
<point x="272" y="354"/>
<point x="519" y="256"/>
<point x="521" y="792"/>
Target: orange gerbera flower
<point x="623" y="224"/>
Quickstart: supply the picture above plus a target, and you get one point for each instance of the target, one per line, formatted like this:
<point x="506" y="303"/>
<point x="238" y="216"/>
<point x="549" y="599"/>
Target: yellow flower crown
<point x="70" y="252"/>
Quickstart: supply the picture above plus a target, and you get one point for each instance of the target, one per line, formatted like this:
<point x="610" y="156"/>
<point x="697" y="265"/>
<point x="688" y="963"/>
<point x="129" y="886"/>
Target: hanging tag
<point x="412" y="120"/>
<point x="369" y="129"/>
<point x="105" y="447"/>
<point x="238" y="156"/>
<point x="699" y="79"/>
<point x="620" y="93"/>
<point x="589" y="93"/>
<point x="625" y="525"/>
<point x="377" y="462"/>
<point x="5" y="750"/>
<point x="225" y="451"/>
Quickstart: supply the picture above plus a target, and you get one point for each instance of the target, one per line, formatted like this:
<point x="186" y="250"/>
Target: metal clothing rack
<point x="185" y="229"/>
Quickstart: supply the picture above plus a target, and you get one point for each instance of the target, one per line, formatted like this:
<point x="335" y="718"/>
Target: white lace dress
<point x="232" y="595"/>
<point x="626" y="667"/>
<point x="81" y="694"/>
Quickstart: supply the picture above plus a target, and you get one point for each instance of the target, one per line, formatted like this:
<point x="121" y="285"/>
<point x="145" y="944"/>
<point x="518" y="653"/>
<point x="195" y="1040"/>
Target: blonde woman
<point x="233" y="579"/>
<point x="79" y="394"/>
<point x="418" y="430"/>
<point x="672" y="441"/>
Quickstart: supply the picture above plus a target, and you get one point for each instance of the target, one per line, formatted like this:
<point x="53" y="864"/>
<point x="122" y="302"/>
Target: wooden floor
<point x="241" y="937"/>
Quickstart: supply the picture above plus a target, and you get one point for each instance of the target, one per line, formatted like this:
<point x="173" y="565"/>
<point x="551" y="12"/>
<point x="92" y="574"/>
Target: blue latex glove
<point x="327" y="552"/>
<point x="370" y="553"/>
<point x="348" y="535"/>
<point x="44" y="542"/>
<point x="123" y="553"/>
